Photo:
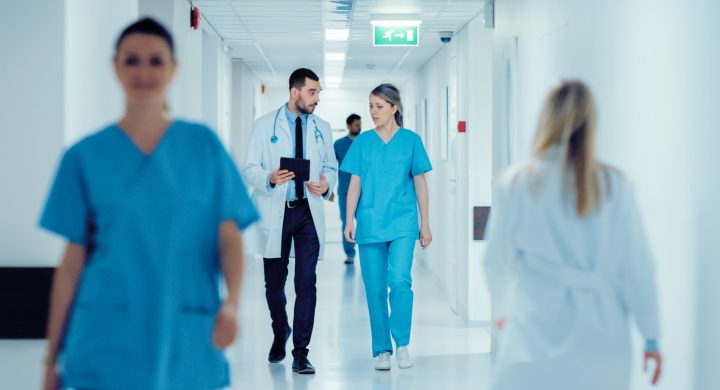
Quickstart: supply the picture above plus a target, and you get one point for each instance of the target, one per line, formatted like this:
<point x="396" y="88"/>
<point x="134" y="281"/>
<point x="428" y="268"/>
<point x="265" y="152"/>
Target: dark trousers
<point x="298" y="227"/>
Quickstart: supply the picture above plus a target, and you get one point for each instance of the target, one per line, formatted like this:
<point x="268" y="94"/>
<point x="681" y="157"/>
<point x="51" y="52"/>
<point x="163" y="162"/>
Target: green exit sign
<point x="397" y="35"/>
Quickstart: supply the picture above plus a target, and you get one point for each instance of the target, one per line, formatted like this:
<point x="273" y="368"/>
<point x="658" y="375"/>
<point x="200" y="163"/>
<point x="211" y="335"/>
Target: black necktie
<point x="299" y="189"/>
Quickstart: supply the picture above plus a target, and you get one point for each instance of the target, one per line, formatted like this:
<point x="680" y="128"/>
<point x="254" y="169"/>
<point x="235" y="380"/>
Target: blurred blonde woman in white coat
<point x="568" y="262"/>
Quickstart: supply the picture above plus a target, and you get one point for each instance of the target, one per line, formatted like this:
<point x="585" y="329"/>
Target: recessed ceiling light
<point x="337" y="34"/>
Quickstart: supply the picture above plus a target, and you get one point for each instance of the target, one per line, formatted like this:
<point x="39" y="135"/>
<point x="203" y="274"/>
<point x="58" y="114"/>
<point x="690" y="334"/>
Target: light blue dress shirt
<point x="291" y="117"/>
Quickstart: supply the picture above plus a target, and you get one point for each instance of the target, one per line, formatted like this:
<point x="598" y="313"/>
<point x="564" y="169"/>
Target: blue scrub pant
<point x="299" y="228"/>
<point x="384" y="265"/>
<point x="347" y="246"/>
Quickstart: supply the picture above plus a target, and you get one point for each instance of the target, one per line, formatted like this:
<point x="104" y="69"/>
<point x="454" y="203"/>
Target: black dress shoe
<point x="277" y="350"/>
<point x="302" y="365"/>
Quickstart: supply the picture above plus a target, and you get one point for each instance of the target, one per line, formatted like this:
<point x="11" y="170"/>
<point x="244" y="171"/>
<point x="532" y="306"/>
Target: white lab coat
<point x="566" y="286"/>
<point x="264" y="156"/>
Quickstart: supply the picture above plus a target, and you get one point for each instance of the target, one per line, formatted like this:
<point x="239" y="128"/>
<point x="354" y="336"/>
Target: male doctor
<point x="292" y="211"/>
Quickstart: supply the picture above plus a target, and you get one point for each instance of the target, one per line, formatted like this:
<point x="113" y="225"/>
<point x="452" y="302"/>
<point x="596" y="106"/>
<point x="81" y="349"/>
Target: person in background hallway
<point x="388" y="167"/>
<point x="292" y="211"/>
<point x="150" y="208"/>
<point x="341" y="148"/>
<point x="568" y="262"/>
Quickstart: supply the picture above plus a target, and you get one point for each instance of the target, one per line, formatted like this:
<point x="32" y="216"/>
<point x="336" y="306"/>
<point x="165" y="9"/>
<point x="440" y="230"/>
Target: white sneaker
<point x="382" y="361"/>
<point x="403" y="358"/>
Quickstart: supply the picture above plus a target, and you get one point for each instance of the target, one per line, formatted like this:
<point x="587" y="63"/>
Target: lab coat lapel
<point x="285" y="135"/>
<point x="310" y="144"/>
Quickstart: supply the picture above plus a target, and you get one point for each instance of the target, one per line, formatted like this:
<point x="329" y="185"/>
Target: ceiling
<point x="274" y="37"/>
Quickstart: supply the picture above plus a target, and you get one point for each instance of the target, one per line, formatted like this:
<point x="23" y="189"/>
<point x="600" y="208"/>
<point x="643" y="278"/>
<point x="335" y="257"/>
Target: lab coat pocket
<point x="264" y="205"/>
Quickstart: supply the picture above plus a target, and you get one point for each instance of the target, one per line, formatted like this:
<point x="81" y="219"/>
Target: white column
<point x="93" y="97"/>
<point x="702" y="127"/>
<point x="31" y="126"/>
<point x="480" y="158"/>
<point x="211" y="45"/>
<point x="242" y="110"/>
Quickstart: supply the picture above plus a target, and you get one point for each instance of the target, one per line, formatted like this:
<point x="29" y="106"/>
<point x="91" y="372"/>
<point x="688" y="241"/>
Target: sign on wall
<point x="399" y="34"/>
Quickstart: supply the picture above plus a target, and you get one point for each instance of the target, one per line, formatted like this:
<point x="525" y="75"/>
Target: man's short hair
<point x="352" y="118"/>
<point x="297" y="78"/>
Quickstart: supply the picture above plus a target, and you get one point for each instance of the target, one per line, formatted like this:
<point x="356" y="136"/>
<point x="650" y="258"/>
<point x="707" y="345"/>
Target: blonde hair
<point x="568" y="121"/>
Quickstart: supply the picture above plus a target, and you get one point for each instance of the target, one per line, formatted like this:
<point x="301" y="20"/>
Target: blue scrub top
<point x="341" y="148"/>
<point x="387" y="208"/>
<point x="146" y="300"/>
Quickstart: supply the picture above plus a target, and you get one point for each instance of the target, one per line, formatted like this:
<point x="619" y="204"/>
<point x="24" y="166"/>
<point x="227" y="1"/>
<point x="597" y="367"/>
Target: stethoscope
<point x="274" y="139"/>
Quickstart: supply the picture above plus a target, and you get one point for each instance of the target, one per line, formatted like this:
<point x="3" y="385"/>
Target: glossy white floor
<point x="447" y="354"/>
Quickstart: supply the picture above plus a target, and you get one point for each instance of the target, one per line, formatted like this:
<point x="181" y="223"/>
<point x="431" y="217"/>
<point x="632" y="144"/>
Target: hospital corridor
<point x="359" y="195"/>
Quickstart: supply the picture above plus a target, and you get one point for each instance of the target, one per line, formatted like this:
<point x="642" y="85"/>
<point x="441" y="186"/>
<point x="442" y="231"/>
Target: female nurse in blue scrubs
<point x="151" y="209"/>
<point x="387" y="186"/>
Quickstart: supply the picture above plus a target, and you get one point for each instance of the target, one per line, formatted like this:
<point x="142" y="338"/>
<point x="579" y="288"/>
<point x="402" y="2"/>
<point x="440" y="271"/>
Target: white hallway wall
<point x="243" y="109"/>
<point x="461" y="178"/>
<point x="702" y="125"/>
<point x="93" y="97"/>
<point x="211" y="45"/>
<point x="31" y="126"/>
<point x="647" y="65"/>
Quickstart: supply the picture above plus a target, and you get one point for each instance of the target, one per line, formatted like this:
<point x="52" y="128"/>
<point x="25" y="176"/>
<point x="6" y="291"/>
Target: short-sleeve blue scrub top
<point x="146" y="300"/>
<point x="341" y="147"/>
<point x="387" y="209"/>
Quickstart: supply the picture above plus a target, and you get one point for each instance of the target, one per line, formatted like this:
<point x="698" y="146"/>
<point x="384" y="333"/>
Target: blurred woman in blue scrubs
<point x="387" y="185"/>
<point x="568" y="262"/>
<point x="150" y="207"/>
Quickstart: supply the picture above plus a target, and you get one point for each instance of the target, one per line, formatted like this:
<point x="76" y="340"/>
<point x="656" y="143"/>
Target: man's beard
<point x="303" y="108"/>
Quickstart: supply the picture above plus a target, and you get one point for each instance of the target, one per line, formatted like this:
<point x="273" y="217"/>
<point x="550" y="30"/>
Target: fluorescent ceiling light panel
<point x="337" y="34"/>
<point x="334" y="56"/>
<point x="333" y="80"/>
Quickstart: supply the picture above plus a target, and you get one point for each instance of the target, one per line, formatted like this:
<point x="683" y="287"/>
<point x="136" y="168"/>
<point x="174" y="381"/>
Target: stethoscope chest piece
<point x="274" y="139"/>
